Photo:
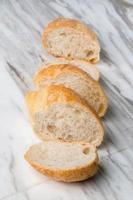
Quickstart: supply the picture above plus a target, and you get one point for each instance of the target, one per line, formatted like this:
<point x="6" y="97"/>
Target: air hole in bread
<point x="69" y="137"/>
<point x="63" y="34"/>
<point x="69" y="55"/>
<point x="77" y="111"/>
<point x="93" y="60"/>
<point x="88" y="53"/>
<point x="51" y="128"/>
<point x="86" y="150"/>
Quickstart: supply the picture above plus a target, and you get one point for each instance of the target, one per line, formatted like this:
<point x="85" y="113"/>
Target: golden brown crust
<point x="74" y="24"/>
<point x="44" y="98"/>
<point x="30" y="99"/>
<point x="66" y="175"/>
<point x="82" y="64"/>
<point x="71" y="23"/>
<point x="41" y="100"/>
<point x="79" y="63"/>
<point x="55" y="70"/>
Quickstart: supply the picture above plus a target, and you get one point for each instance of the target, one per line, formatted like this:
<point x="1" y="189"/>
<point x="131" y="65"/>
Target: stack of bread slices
<point x="66" y="108"/>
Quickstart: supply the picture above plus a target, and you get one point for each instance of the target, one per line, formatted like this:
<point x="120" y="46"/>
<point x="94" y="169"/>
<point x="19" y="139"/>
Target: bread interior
<point x="69" y="123"/>
<point x="70" y="43"/>
<point x="86" y="89"/>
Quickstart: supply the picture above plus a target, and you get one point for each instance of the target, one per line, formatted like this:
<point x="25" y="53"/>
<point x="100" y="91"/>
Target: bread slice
<point x="76" y="79"/>
<point x="90" y="69"/>
<point x="71" y="39"/>
<point x="63" y="161"/>
<point x="59" y="113"/>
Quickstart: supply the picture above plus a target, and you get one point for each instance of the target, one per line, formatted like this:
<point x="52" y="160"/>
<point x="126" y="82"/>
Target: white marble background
<point x="21" y="25"/>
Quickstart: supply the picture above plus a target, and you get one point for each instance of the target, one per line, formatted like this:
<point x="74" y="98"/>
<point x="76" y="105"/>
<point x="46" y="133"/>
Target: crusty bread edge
<point x="67" y="175"/>
<point x="71" y="23"/>
<point x="74" y="62"/>
<point x="71" y="98"/>
<point x="56" y="69"/>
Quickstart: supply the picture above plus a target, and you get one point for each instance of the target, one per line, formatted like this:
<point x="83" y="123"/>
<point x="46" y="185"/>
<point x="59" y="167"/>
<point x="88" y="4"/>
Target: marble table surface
<point x="21" y="54"/>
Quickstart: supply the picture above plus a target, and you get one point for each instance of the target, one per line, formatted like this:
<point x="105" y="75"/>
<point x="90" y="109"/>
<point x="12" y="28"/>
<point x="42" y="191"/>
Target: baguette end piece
<point x="83" y="44"/>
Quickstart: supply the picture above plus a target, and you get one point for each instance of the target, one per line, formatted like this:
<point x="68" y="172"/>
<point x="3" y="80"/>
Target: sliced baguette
<point x="59" y="113"/>
<point x="90" y="69"/>
<point x="63" y="161"/>
<point x="71" y="39"/>
<point x="76" y="79"/>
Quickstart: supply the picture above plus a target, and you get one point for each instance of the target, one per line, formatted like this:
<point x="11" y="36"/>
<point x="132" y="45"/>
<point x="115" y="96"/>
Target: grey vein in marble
<point x="21" y="54"/>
